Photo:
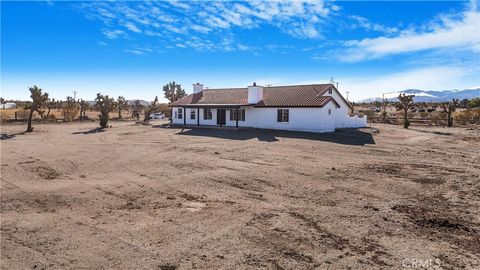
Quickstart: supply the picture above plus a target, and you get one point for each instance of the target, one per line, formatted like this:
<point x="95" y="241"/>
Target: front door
<point x="221" y="117"/>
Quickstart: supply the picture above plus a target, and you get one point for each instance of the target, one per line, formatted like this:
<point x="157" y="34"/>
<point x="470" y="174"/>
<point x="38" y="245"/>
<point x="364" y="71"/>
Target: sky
<point x="133" y="48"/>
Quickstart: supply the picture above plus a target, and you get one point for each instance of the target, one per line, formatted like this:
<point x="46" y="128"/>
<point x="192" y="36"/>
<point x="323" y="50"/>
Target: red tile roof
<point x="275" y="96"/>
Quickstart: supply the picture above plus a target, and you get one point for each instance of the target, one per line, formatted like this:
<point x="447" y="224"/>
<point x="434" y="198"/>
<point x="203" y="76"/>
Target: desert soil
<point x="149" y="197"/>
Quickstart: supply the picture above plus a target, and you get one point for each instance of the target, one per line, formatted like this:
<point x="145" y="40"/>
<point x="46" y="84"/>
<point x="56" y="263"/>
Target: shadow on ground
<point x="433" y="132"/>
<point x="92" y="131"/>
<point x="342" y="136"/>
<point x="5" y="136"/>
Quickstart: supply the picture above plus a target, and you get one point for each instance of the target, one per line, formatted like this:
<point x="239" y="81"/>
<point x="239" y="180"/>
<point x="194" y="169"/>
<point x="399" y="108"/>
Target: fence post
<point x="16" y="116"/>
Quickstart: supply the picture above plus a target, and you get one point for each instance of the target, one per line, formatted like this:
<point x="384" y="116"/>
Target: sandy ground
<point x="138" y="197"/>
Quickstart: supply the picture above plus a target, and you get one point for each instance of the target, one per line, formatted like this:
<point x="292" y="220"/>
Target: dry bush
<point x="22" y="114"/>
<point x="3" y="116"/>
<point x="52" y="118"/>
<point x="439" y="118"/>
<point x="70" y="114"/>
<point x="468" y="117"/>
<point x="423" y="115"/>
<point x="369" y="114"/>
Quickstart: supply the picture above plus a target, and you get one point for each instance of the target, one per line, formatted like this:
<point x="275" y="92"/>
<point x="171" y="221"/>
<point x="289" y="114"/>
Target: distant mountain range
<point x="130" y="102"/>
<point x="431" y="96"/>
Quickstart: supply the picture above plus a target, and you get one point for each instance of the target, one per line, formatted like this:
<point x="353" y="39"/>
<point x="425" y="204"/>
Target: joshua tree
<point x="38" y="100"/>
<point x="122" y="104"/>
<point x="105" y="105"/>
<point x="173" y="91"/>
<point x="70" y="109"/>
<point x="384" y="109"/>
<point x="50" y="104"/>
<point x="136" y="108"/>
<point x="83" y="107"/>
<point x="352" y="107"/>
<point x="151" y="108"/>
<point x="449" y="108"/>
<point x="405" y="103"/>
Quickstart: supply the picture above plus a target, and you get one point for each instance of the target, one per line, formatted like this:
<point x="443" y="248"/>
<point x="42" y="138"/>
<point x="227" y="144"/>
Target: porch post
<point x="184" y="116"/>
<point x="236" y="114"/>
<point x="198" y="116"/>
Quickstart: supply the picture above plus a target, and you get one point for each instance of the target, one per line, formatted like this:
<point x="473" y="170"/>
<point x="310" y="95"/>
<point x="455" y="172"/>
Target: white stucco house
<point x="312" y="108"/>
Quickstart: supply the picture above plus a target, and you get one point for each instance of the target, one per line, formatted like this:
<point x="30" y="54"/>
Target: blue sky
<point x="134" y="48"/>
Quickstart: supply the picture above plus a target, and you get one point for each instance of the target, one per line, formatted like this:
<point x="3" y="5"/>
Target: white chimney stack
<point x="197" y="88"/>
<point x="255" y="93"/>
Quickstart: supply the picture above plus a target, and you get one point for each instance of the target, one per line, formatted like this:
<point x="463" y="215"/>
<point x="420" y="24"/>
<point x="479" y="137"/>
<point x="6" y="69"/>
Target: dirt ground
<point x="149" y="197"/>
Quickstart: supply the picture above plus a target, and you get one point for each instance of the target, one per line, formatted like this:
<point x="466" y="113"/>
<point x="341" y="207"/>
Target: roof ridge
<point x="235" y="88"/>
<point x="277" y="86"/>
<point x="312" y="84"/>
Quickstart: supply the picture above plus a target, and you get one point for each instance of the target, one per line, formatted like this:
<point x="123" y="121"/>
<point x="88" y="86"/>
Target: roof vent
<point x="254" y="84"/>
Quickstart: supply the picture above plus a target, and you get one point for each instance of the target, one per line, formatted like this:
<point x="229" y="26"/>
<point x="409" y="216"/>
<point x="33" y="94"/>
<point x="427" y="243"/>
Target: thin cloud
<point x="132" y="27"/>
<point x="448" y="33"/>
<point x="113" y="34"/>
<point x="212" y="21"/>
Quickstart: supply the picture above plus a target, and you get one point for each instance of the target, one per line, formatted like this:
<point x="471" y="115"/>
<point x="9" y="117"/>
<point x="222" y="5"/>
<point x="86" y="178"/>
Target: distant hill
<point x="431" y="96"/>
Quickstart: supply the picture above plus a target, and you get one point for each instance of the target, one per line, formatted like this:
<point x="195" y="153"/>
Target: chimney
<point x="255" y="93"/>
<point x="197" y="88"/>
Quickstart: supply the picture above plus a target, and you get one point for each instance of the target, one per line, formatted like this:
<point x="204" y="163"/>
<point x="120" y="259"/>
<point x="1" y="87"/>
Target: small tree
<point x="405" y="103"/>
<point x="173" y="91"/>
<point x="449" y="108"/>
<point x="104" y="105"/>
<point x="474" y="103"/>
<point x="122" y="104"/>
<point x="38" y="100"/>
<point x="151" y="108"/>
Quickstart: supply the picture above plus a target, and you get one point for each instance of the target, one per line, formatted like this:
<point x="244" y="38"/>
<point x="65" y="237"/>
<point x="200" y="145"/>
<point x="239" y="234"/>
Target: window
<point x="175" y="113"/>
<point x="180" y="113"/>
<point x="282" y="115"/>
<point x="330" y="91"/>
<point x="329" y="111"/>
<point x="207" y="114"/>
<point x="192" y="113"/>
<point x="237" y="114"/>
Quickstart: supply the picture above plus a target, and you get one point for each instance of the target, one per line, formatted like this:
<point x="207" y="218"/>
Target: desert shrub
<point x="468" y="117"/>
<point x="439" y="118"/>
<point x="369" y="114"/>
<point x="424" y="115"/>
<point x="52" y="118"/>
<point x="70" y="114"/>
<point x="22" y="114"/>
<point x="3" y="116"/>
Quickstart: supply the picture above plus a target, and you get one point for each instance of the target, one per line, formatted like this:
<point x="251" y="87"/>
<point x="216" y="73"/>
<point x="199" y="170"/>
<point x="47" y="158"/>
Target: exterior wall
<point x="300" y="119"/>
<point x="342" y="114"/>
